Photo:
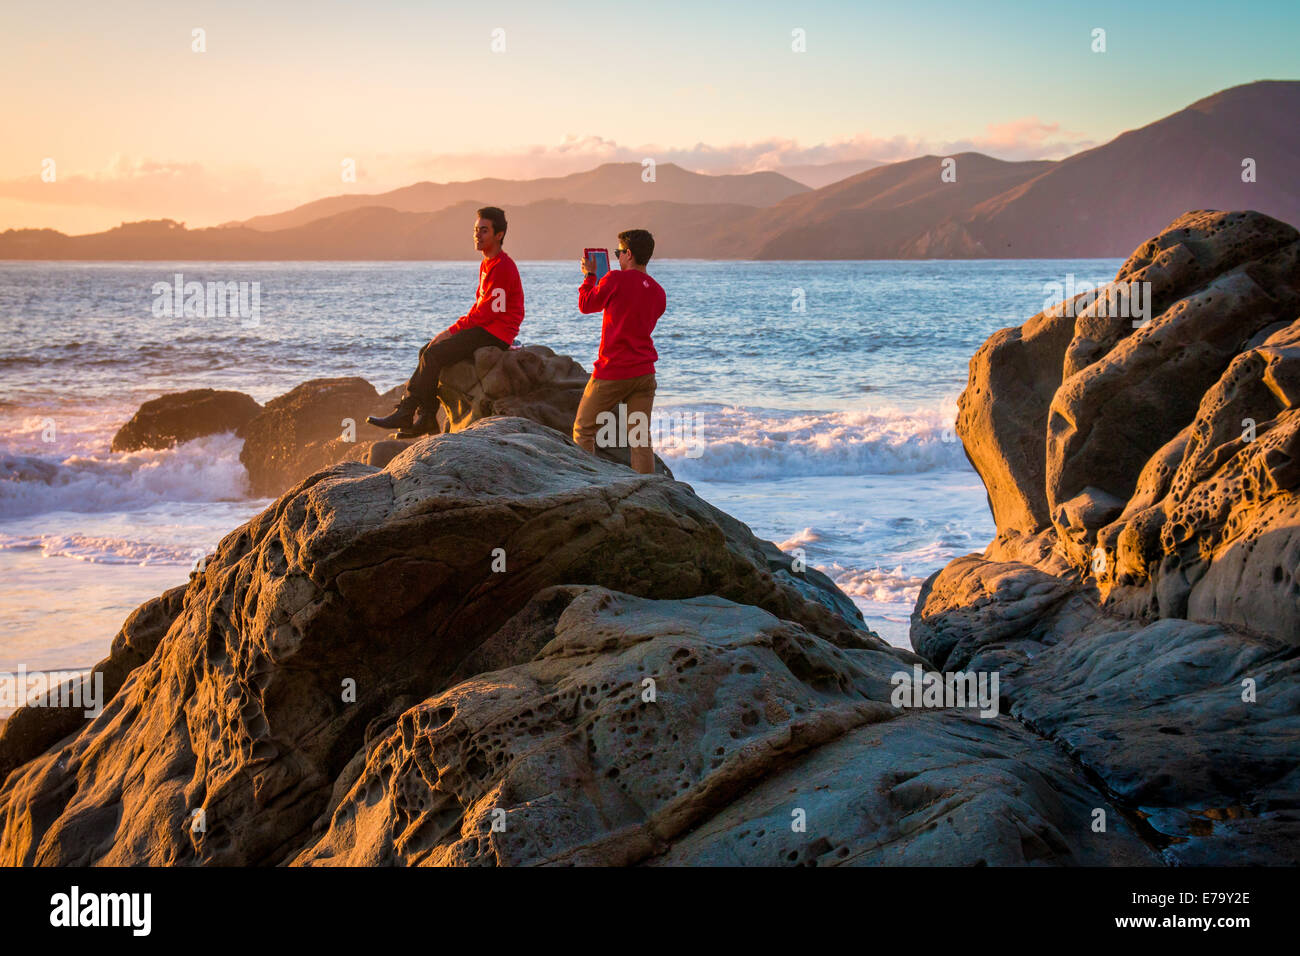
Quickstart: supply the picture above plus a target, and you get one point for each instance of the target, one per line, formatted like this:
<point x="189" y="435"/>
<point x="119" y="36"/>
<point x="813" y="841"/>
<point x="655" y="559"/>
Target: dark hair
<point x="640" y="243"/>
<point x="495" y="216"/>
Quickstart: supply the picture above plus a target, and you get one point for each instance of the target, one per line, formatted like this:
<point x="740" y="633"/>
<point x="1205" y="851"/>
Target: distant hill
<point x="550" y="229"/>
<point x="1102" y="202"/>
<point x="890" y="212"/>
<point x="1107" y="200"/>
<point x="610" y="184"/>
<point x="817" y="175"/>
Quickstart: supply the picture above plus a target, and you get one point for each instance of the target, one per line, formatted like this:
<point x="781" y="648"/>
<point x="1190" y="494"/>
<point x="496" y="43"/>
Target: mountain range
<point x="1236" y="149"/>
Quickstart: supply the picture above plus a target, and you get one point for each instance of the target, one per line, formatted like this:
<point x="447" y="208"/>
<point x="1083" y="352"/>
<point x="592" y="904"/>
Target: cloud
<point x="131" y="188"/>
<point x="128" y="187"/>
<point x="1026" y="138"/>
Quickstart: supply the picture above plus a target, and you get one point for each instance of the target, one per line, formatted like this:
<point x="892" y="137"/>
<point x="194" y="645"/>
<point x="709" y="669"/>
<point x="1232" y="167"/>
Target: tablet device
<point x="601" y="258"/>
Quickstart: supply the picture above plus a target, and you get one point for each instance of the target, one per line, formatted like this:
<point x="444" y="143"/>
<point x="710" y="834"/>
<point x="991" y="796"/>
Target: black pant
<point x="435" y="356"/>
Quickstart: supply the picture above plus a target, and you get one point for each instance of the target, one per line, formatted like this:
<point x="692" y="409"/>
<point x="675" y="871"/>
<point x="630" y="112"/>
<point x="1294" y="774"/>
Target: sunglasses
<point x="619" y="252"/>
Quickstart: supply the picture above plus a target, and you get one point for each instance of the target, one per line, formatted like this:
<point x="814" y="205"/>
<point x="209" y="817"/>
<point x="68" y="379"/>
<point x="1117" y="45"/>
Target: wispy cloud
<point x="1027" y="138"/>
<point x="127" y="187"/>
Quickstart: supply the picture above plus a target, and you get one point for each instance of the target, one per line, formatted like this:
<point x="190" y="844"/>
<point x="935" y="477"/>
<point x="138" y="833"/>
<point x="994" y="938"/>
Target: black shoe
<point x="425" y="423"/>
<point x="403" y="415"/>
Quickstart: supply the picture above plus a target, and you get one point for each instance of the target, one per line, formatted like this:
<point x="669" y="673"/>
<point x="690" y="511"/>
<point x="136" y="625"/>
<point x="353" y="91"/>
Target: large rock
<point x="1142" y="597"/>
<point x="353" y="597"/>
<point x="530" y="382"/>
<point x="181" y="416"/>
<point x="701" y="731"/>
<point x="1112" y="415"/>
<point x="309" y="428"/>
<point x="1004" y="440"/>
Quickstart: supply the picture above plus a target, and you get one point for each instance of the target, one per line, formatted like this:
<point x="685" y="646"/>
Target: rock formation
<point x="309" y="428"/>
<point x="497" y="649"/>
<point x="323" y="421"/>
<point x="1142" y="597"/>
<point x="389" y="665"/>
<point x="179" y="417"/>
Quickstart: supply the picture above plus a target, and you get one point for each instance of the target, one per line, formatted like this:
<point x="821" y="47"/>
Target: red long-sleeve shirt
<point x="632" y="303"/>
<point x="499" y="314"/>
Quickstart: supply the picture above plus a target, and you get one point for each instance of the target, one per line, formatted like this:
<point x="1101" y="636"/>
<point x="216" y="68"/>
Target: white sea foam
<point x="881" y="585"/>
<point x="204" y="470"/>
<point x="736" y="443"/>
<point x="806" y="536"/>
<point x="97" y="549"/>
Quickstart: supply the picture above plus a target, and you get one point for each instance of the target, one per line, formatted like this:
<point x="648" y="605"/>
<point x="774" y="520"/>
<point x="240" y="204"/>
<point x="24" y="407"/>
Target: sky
<point x="111" y="114"/>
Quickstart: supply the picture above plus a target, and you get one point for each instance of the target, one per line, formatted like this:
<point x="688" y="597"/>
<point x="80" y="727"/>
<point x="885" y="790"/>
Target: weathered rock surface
<point x="359" y="675"/>
<point x="388" y="579"/>
<point x="752" y="722"/>
<point x="530" y="382"/>
<point x="309" y="428"/>
<point x="1141" y="600"/>
<point x="181" y="416"/>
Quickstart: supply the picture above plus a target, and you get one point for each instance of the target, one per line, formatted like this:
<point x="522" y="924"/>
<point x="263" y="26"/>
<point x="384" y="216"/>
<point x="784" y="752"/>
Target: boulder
<point x="181" y="416"/>
<point x="1109" y="418"/>
<point x="309" y="428"/>
<point x="1144" y="586"/>
<point x="637" y="731"/>
<point x="355" y="596"/>
<point x="530" y="382"/>
<point x="1004" y="440"/>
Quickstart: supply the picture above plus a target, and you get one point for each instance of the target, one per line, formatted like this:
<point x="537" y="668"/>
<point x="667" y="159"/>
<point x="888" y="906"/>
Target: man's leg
<point x="600" y="395"/>
<point x="435" y="356"/>
<point x="639" y="403"/>
<point x="422" y="387"/>
<point x="605" y="395"/>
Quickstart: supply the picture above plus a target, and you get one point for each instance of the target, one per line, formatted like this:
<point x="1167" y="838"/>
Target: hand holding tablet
<point x="595" y="262"/>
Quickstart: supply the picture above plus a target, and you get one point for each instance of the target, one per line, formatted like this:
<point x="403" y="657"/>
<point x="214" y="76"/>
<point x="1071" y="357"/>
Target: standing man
<point x="493" y="320"/>
<point x="625" y="366"/>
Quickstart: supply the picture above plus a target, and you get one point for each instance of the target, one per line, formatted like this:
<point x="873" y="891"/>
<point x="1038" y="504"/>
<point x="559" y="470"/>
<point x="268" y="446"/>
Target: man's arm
<point x="482" y="307"/>
<point x="593" y="295"/>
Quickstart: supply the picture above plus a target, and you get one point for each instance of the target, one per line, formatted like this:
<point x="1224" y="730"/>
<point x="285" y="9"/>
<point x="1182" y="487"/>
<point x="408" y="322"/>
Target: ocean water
<point x="824" y="392"/>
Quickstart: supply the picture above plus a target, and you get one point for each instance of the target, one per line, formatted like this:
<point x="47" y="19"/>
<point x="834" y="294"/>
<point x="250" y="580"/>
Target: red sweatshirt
<point x="495" y="313"/>
<point x="633" y="303"/>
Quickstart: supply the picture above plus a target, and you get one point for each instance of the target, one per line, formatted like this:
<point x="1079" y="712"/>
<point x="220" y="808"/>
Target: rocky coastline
<point x="488" y="647"/>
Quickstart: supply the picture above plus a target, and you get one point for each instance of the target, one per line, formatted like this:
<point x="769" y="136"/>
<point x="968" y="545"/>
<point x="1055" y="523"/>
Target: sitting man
<point x="493" y="320"/>
<point x="624" y="371"/>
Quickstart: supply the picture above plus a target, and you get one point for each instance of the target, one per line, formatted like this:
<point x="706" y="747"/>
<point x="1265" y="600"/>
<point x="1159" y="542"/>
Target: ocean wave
<point x="99" y="549"/>
<point x="880" y="585"/>
<point x="733" y="443"/>
<point x="206" y="469"/>
<point x="806" y="536"/>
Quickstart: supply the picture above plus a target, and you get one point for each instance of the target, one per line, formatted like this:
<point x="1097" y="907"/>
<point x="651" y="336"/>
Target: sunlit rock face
<point x="1142" y="597"/>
